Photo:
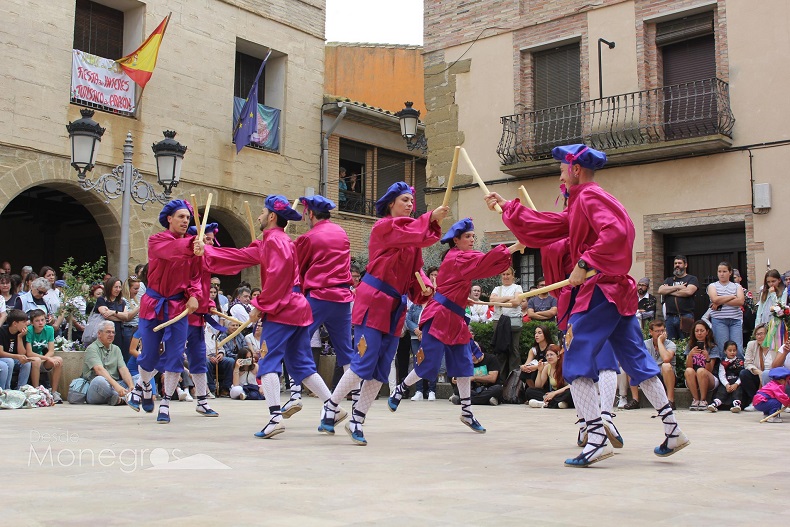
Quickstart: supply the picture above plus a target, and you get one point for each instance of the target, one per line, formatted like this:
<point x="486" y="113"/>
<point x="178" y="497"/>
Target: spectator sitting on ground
<point x="245" y="372"/>
<point x="728" y="394"/>
<point x="542" y="308"/>
<point x="40" y="343"/>
<point x="219" y="361"/>
<point x="551" y="390"/>
<point x="105" y="369"/>
<point x="702" y="357"/>
<point x="12" y="347"/>
<point x="486" y="385"/>
<point x="773" y="396"/>
<point x="756" y="364"/>
<point x="537" y="353"/>
<point x="663" y="352"/>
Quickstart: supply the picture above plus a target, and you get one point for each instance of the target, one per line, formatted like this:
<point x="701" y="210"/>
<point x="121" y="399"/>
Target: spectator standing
<point x="476" y="312"/>
<point x="773" y="291"/>
<point x="726" y="299"/>
<point x="129" y="294"/>
<point x="507" y="293"/>
<point x="678" y="291"/>
<point x="542" y="308"/>
<point x="646" y="307"/>
<point x="105" y="368"/>
<point x="112" y="307"/>
<point x="221" y="300"/>
<point x="240" y="310"/>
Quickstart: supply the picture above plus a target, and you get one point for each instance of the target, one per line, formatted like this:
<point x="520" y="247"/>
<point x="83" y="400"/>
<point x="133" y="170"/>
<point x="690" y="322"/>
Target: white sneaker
<point x="189" y="398"/>
<point x="211" y="395"/>
<point x="621" y="401"/>
<point x="562" y="405"/>
<point x="774" y="419"/>
<point x="417" y="397"/>
<point x="749" y="408"/>
<point x="534" y="403"/>
<point x="431" y="396"/>
<point x="182" y="394"/>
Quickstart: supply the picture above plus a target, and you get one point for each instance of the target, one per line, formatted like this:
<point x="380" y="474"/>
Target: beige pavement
<point x="72" y="465"/>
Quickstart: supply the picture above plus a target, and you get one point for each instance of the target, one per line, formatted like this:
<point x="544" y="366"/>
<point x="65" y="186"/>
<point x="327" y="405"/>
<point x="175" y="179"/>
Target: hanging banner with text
<point x="101" y="81"/>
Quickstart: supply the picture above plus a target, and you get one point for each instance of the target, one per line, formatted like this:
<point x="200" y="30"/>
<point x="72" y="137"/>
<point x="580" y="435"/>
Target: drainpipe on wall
<point x="323" y="186"/>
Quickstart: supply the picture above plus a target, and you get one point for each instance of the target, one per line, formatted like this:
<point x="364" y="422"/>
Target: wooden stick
<point x="249" y="220"/>
<point x="764" y="419"/>
<point x="552" y="287"/>
<point x="202" y="229"/>
<point x="163" y="325"/>
<point x="226" y="317"/>
<point x="496" y="304"/>
<point x="478" y="179"/>
<point x="421" y="282"/>
<point x="451" y="179"/>
<point x="233" y="335"/>
<point x="295" y="203"/>
<point x="525" y="197"/>
<point x="195" y="208"/>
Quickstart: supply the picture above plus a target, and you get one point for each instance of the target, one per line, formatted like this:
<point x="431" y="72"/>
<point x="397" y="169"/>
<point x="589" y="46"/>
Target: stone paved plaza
<point x="76" y="465"/>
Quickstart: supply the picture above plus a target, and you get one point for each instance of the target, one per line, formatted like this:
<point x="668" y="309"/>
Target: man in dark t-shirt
<point x="678" y="291"/>
<point x="12" y="347"/>
<point x="486" y="384"/>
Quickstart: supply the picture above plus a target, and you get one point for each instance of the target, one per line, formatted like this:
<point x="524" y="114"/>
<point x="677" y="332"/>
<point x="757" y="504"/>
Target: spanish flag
<point x="139" y="66"/>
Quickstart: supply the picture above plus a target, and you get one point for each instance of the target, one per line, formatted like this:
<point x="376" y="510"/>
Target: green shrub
<point x="485" y="332"/>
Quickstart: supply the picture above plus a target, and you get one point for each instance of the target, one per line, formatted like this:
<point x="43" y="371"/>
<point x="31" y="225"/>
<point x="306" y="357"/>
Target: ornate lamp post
<point x="125" y="181"/>
<point x="409" y="118"/>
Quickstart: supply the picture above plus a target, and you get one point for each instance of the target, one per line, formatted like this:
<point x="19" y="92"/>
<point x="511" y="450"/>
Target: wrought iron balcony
<point x="678" y="114"/>
<point x="357" y="203"/>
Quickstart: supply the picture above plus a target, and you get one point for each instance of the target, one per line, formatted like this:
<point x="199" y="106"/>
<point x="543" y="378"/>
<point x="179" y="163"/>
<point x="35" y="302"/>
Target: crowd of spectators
<point x="720" y="372"/>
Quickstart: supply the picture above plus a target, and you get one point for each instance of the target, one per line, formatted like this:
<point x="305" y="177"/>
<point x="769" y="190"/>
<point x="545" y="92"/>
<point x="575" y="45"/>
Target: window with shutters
<point x="556" y="92"/>
<point x="98" y="29"/>
<point x="688" y="52"/>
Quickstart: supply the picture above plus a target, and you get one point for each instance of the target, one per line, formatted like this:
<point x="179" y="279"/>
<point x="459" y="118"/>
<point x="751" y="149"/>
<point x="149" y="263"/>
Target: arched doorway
<point x="45" y="226"/>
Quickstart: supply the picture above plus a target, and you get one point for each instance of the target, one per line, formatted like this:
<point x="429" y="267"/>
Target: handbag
<point x="91" y="331"/>
<point x="686" y="324"/>
<point x="513" y="392"/>
<point x="78" y="391"/>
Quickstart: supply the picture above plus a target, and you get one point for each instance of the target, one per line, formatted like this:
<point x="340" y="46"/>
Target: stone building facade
<point x="687" y="104"/>
<point x="192" y="92"/>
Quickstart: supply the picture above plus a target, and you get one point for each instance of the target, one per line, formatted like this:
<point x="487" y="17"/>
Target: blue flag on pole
<point x="248" y="118"/>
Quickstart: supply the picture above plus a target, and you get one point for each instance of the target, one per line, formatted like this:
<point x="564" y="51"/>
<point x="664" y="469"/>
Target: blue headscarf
<point x="171" y="208"/>
<point x="458" y="228"/>
<point x="395" y="190"/>
<point x="282" y="207"/>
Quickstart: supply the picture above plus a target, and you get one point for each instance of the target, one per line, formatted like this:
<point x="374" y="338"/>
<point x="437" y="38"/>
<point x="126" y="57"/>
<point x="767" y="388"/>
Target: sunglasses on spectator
<point x="42" y="291"/>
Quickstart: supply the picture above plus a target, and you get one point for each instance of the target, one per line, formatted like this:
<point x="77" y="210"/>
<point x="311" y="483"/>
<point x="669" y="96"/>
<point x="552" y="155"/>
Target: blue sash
<point x="161" y="301"/>
<point x="214" y="324"/>
<point x="390" y="291"/>
<point x="452" y="306"/>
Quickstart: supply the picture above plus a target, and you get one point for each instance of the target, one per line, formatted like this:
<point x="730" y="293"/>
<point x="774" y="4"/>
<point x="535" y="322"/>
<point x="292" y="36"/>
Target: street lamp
<point x="600" y="68"/>
<point x="125" y="181"/>
<point x="409" y="118"/>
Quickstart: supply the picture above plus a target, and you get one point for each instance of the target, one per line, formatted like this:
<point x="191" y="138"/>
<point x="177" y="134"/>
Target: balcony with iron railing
<point x="670" y="121"/>
<point x="357" y="203"/>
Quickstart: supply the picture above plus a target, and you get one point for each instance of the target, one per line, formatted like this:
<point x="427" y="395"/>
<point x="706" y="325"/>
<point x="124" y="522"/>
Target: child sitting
<point x="728" y="394"/>
<point x="244" y="373"/>
<point x="771" y="397"/>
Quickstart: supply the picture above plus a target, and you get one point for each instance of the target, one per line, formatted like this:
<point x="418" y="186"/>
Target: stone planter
<point x="72" y="368"/>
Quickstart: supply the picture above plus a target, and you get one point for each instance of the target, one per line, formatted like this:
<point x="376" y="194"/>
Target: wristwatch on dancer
<point x="581" y="263"/>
